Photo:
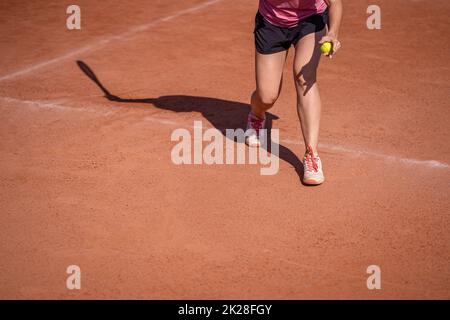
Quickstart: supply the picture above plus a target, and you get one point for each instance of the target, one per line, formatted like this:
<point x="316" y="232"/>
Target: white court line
<point x="48" y="105"/>
<point x="434" y="164"/>
<point x="387" y="157"/>
<point x="97" y="45"/>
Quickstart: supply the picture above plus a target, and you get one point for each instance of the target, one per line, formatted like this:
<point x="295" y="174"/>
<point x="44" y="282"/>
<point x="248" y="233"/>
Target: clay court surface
<point x="90" y="182"/>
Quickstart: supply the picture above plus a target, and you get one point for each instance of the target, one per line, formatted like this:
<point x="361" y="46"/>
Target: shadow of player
<point x="222" y="114"/>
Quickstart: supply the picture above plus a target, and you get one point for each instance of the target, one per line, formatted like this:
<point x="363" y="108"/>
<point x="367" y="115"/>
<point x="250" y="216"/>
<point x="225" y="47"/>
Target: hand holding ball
<point x="326" y="47"/>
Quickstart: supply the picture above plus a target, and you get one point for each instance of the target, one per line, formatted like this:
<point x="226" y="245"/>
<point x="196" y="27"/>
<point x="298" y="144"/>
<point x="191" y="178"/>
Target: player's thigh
<point x="307" y="58"/>
<point x="269" y="73"/>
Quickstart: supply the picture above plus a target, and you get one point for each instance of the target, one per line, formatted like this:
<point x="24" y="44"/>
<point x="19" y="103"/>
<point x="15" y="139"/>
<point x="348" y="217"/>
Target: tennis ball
<point x="326" y="47"/>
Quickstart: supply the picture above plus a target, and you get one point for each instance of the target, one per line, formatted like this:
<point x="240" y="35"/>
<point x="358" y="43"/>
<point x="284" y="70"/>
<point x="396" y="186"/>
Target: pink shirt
<point x="287" y="13"/>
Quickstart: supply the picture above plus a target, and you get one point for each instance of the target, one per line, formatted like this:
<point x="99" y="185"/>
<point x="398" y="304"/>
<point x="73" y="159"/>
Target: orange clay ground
<point x="89" y="181"/>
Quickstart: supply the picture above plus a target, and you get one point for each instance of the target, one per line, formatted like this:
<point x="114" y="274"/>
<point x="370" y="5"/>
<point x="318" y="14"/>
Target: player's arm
<point x="335" y="18"/>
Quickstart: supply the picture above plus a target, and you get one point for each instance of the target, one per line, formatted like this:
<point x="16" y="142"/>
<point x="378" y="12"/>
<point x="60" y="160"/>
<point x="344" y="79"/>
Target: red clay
<point x="89" y="181"/>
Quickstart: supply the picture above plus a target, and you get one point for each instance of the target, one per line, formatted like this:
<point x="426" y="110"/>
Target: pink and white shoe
<point x="254" y="125"/>
<point x="312" y="168"/>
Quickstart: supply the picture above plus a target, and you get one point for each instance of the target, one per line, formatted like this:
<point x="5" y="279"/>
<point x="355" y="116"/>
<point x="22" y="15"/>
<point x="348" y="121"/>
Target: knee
<point x="267" y="98"/>
<point x="306" y="78"/>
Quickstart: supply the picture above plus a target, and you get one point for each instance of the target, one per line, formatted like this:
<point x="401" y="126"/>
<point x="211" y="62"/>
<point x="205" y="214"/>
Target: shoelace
<point x="255" y="123"/>
<point x="311" y="162"/>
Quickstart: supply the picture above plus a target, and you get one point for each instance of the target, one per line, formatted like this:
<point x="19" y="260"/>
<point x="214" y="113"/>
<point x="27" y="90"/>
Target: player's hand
<point x="336" y="45"/>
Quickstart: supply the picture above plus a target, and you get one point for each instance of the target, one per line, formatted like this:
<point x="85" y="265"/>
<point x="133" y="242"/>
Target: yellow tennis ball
<point x="326" y="47"/>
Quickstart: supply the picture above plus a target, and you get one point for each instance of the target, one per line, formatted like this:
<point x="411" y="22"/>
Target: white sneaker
<point x="312" y="168"/>
<point x="254" y="125"/>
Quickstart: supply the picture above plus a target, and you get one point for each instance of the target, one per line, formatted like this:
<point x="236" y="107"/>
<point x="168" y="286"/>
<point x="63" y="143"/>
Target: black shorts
<point x="271" y="39"/>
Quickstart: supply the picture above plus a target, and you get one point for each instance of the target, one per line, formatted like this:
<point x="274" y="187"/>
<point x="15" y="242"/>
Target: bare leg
<point x="269" y="73"/>
<point x="306" y="61"/>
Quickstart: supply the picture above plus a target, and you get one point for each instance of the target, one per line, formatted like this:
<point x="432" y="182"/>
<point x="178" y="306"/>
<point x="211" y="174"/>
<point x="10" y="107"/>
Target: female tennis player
<point x="304" y="24"/>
